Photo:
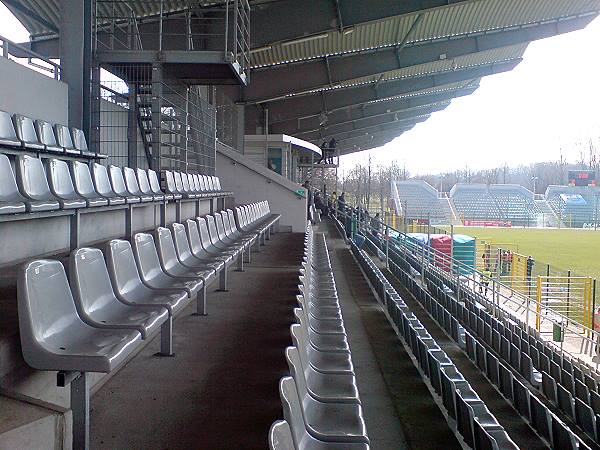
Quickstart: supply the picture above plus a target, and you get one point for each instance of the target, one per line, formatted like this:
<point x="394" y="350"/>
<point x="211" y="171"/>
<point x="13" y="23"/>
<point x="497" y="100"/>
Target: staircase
<point x="548" y="215"/>
<point x="454" y="219"/>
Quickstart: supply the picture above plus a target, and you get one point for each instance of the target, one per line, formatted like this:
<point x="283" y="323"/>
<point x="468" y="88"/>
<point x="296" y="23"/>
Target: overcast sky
<point x="550" y="102"/>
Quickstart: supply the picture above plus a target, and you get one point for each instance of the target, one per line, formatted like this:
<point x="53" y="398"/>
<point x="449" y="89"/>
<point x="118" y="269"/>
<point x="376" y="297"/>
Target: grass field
<point x="567" y="249"/>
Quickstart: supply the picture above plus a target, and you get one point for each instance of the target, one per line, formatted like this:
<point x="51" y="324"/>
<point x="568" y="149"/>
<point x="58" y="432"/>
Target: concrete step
<point x="27" y="426"/>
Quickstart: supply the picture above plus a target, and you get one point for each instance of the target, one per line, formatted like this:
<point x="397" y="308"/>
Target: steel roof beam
<point x="308" y="105"/>
<point x="371" y="130"/>
<point x="298" y="126"/>
<point x="273" y="82"/>
<point x="285" y="18"/>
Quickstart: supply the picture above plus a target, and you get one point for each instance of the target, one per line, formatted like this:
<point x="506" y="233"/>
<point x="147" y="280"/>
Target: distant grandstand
<point x="500" y="204"/>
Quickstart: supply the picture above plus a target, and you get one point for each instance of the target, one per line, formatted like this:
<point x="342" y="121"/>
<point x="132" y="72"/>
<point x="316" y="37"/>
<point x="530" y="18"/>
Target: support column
<point x="76" y="58"/>
<point x="156" y="116"/>
<point x="132" y="128"/>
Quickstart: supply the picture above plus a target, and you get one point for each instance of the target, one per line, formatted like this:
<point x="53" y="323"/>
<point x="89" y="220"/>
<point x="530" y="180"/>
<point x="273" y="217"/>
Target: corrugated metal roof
<point x="508" y="53"/>
<point x="463" y="18"/>
<point x="430" y="91"/>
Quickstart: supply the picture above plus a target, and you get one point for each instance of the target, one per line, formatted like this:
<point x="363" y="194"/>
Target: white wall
<point x="32" y="94"/>
<point x="251" y="182"/>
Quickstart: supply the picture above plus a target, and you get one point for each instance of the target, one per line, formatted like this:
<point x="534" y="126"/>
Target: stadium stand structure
<point x="575" y="206"/>
<point x="115" y="227"/>
<point x="417" y="199"/>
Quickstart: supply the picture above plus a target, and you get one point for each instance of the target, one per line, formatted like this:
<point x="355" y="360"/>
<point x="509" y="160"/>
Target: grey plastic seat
<point x="151" y="272"/>
<point x="53" y="336"/>
<point x="46" y="136"/>
<point x="192" y="184"/>
<point x="180" y="186"/>
<point x="214" y="237"/>
<point x="184" y="251"/>
<point x="80" y="143"/>
<point x="171" y="187"/>
<point x="84" y="186"/>
<point x="33" y="184"/>
<point x="61" y="185"/>
<point x="280" y="436"/>
<point x="132" y="186"/>
<point x="144" y="186"/>
<point x="8" y="135"/>
<point x="324" y="362"/>
<point x="295" y="417"/>
<point x="64" y="140"/>
<point x="205" y="238"/>
<point x="321" y="326"/>
<point x="26" y="133"/>
<point x="324" y="387"/>
<point x="196" y="248"/>
<point x="326" y="342"/>
<point x="222" y="235"/>
<point x="103" y="187"/>
<point x="155" y="186"/>
<point x="96" y="302"/>
<point x="11" y="201"/>
<point x="198" y="186"/>
<point x="170" y="261"/>
<point x="118" y="184"/>
<point x="331" y="422"/>
<point x="128" y="285"/>
<point x="182" y="177"/>
<point x="238" y="233"/>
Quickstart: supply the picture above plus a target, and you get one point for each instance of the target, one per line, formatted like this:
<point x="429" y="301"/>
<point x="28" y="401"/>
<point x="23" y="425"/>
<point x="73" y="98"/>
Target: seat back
<point x="185" y="183"/>
<point x="7" y="128"/>
<point x="117" y="181"/>
<point x="292" y="410"/>
<point x="232" y="224"/>
<point x="191" y="182"/>
<point x="32" y="178"/>
<point x="202" y="183"/>
<point x="102" y="181"/>
<point x="61" y="184"/>
<point x="170" y="179"/>
<point x="8" y="184"/>
<point x="182" y="246"/>
<point x="197" y="183"/>
<point x="45" y="133"/>
<point x="212" y="229"/>
<point x="79" y="140"/>
<point x="82" y="180"/>
<point x="178" y="182"/>
<point x="90" y="281"/>
<point x="204" y="234"/>
<point x="209" y="183"/>
<point x="63" y="137"/>
<point x="166" y="248"/>
<point x="280" y="436"/>
<point x="146" y="256"/>
<point x="131" y="183"/>
<point x="226" y="225"/>
<point x="25" y="129"/>
<point x="46" y="307"/>
<point x="122" y="270"/>
<point x="218" y="183"/>
<point x="219" y="225"/>
<point x="194" y="238"/>
<point x="143" y="182"/>
<point x="154" y="183"/>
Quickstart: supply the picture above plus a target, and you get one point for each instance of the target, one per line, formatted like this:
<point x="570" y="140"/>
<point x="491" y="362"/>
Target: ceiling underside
<point x="364" y="72"/>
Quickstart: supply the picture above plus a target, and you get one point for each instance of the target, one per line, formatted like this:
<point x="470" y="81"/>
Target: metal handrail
<point x="7" y="44"/>
<point x="476" y="278"/>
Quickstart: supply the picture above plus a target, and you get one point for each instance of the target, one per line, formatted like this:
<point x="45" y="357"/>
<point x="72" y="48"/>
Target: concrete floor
<point x="220" y="391"/>
<point x="400" y="412"/>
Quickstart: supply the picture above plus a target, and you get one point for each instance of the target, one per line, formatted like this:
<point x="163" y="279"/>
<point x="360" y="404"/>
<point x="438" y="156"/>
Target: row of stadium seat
<point x="39" y="136"/>
<point x="566" y="383"/>
<point x="475" y="423"/>
<point x="71" y="185"/>
<point x="419" y="200"/>
<point x="505" y="349"/>
<point x="321" y="404"/>
<point x="496" y="349"/>
<point x="93" y="320"/>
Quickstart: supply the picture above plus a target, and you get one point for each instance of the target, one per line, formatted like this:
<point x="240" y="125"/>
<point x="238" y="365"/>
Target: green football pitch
<point x="566" y="249"/>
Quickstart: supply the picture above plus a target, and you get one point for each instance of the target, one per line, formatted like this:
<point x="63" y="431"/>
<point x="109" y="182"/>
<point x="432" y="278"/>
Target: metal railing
<point x="163" y="25"/>
<point x="529" y="304"/>
<point x="29" y="58"/>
